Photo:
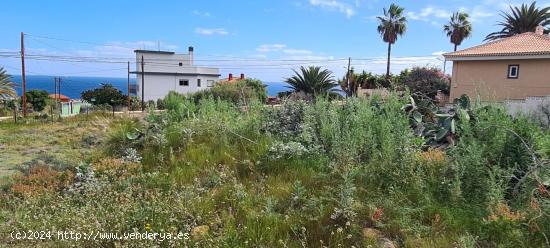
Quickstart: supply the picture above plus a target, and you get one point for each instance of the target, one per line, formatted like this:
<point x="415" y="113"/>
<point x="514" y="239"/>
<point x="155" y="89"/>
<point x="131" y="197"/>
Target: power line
<point x="76" y="41"/>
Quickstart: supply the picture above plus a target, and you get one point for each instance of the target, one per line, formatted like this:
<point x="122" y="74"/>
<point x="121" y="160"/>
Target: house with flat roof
<point x="512" y="68"/>
<point x="159" y="72"/>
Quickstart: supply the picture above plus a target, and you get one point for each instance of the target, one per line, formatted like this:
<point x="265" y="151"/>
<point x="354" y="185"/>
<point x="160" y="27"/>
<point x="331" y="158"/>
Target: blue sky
<point x="252" y="37"/>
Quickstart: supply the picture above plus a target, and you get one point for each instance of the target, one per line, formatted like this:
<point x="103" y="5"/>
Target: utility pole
<point x="129" y="99"/>
<point x="347" y="76"/>
<point x="23" y="78"/>
<point x="142" y="84"/>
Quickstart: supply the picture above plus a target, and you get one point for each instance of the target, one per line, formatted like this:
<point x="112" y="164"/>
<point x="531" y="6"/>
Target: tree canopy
<point x="38" y="99"/>
<point x="525" y="18"/>
<point x="458" y="28"/>
<point x="312" y="81"/>
<point x="106" y="94"/>
<point x="7" y="87"/>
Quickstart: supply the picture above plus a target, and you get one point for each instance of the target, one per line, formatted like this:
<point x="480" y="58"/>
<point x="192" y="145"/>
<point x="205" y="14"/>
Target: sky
<point x="264" y="39"/>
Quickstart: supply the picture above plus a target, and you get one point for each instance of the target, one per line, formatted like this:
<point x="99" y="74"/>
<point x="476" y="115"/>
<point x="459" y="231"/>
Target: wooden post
<point x="23" y="78"/>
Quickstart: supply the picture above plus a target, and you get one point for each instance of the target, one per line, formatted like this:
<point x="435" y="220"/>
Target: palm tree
<point x="458" y="28"/>
<point x="312" y="81"/>
<point x="7" y="89"/>
<point x="522" y="19"/>
<point x="392" y="24"/>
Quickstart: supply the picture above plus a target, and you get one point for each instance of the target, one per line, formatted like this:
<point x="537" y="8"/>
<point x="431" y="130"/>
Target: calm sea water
<point x="73" y="86"/>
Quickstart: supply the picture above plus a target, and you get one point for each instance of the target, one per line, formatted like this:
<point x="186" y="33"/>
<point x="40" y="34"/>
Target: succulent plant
<point x="438" y="127"/>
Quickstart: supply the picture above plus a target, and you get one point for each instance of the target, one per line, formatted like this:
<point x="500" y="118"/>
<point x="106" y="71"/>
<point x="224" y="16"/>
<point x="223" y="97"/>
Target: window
<point x="513" y="71"/>
<point x="181" y="64"/>
<point x="184" y="82"/>
<point x="209" y="83"/>
<point x="198" y="82"/>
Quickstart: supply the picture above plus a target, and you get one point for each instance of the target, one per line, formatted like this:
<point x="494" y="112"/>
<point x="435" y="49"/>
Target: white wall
<point x="530" y="106"/>
<point x="158" y="85"/>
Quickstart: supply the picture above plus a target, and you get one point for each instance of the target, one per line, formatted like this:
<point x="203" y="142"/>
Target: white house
<point x="159" y="72"/>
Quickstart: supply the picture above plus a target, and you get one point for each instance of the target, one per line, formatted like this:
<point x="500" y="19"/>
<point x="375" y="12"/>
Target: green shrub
<point x="38" y="99"/>
<point x="106" y="94"/>
<point x="425" y="82"/>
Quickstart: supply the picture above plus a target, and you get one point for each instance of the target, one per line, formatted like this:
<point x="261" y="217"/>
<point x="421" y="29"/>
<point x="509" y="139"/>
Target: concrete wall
<point x="170" y="63"/>
<point x="489" y="79"/>
<point x="158" y="86"/>
<point x="162" y="74"/>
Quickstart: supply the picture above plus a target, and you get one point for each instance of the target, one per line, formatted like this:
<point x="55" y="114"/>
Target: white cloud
<point x="297" y="51"/>
<point x="434" y="15"/>
<point x="264" y="48"/>
<point x="428" y="13"/>
<point x="201" y="13"/>
<point x="211" y="31"/>
<point x="339" y="6"/>
<point x="479" y="12"/>
<point x="438" y="53"/>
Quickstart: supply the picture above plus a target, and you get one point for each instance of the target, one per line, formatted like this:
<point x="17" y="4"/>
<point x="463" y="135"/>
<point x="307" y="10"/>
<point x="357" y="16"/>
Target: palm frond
<point x="311" y="80"/>
<point x="7" y="88"/>
<point x="521" y="19"/>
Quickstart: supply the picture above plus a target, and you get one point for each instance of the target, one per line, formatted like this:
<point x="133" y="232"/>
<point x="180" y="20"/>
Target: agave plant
<point x="520" y="20"/>
<point x="439" y="129"/>
<point x="7" y="88"/>
<point x="312" y="81"/>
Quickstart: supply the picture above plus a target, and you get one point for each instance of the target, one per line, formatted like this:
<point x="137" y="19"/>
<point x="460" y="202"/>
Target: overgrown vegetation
<point x="37" y="99"/>
<point x="107" y="94"/>
<point x="307" y="174"/>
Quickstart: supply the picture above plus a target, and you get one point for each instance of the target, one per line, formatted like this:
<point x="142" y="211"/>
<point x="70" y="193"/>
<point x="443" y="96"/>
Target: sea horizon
<point x="73" y="86"/>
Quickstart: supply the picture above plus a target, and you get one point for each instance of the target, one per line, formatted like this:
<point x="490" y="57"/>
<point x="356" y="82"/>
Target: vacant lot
<point x="66" y="142"/>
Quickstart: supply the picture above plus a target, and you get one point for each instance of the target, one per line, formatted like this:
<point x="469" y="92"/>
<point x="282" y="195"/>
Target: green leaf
<point x="417" y="117"/>
<point x="441" y="134"/>
<point x="132" y="135"/>
<point x="464" y="114"/>
<point x="453" y="126"/>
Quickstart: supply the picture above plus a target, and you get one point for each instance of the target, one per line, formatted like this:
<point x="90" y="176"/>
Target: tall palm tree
<point x="458" y="28"/>
<point x="7" y="89"/>
<point x="312" y="81"/>
<point x="392" y="24"/>
<point x="520" y="20"/>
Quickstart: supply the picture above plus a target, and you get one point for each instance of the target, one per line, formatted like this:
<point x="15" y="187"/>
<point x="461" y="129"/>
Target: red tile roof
<point x="518" y="45"/>
<point x="62" y="98"/>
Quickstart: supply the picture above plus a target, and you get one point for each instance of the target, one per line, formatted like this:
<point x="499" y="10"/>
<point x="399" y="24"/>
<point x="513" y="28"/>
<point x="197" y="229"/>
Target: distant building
<point x="513" y="68"/>
<point x="61" y="98"/>
<point x="165" y="71"/>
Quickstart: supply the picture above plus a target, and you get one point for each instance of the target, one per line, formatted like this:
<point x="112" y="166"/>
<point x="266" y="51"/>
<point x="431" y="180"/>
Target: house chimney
<point x="242" y="76"/>
<point x="191" y="55"/>
<point x="230" y="77"/>
<point x="539" y="30"/>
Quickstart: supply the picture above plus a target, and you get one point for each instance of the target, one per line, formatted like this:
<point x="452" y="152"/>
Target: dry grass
<point x="70" y="141"/>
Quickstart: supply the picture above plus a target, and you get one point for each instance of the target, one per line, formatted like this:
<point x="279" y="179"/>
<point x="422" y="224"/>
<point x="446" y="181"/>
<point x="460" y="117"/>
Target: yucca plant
<point x="458" y="28"/>
<point x="392" y="25"/>
<point x="7" y="88"/>
<point x="520" y="20"/>
<point x="312" y="81"/>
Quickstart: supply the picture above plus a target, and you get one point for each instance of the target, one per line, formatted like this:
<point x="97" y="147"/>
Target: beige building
<point x="512" y="68"/>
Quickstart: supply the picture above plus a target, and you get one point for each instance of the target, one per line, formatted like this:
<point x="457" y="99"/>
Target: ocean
<point x="73" y="86"/>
